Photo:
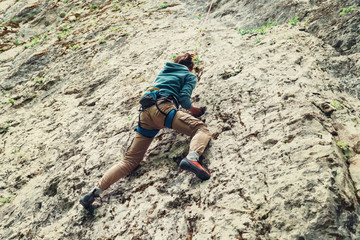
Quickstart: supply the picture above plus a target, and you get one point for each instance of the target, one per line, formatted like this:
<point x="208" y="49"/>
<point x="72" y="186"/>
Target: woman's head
<point x="185" y="60"/>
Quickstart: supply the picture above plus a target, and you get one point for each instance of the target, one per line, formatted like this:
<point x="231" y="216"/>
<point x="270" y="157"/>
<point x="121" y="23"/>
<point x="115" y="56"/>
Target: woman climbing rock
<point x="159" y="109"/>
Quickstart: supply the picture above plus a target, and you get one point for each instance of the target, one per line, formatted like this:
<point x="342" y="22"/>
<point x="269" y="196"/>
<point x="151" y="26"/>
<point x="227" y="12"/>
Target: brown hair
<point x="186" y="60"/>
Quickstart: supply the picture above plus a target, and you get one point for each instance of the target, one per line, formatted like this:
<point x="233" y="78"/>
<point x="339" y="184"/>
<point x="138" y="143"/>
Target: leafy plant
<point x="116" y="7"/>
<point x="38" y="80"/>
<point x="15" y="20"/>
<point x="75" y="47"/>
<point x="64" y="32"/>
<point x="162" y="5"/>
<point x="336" y="104"/>
<point x="94" y="6"/>
<point x="196" y="60"/>
<point x="35" y="41"/>
<point x="16" y="42"/>
<point x="345" y="149"/>
<point x="173" y="57"/>
<point x="4" y="129"/>
<point x="102" y="41"/>
<point x="343" y="146"/>
<point x="11" y="101"/>
<point x="261" y="30"/>
<point x="346" y="10"/>
<point x="198" y="16"/>
<point x="5" y="199"/>
<point x="294" y="21"/>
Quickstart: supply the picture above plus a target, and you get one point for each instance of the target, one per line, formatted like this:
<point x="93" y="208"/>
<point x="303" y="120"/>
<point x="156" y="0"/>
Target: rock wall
<point x="282" y="102"/>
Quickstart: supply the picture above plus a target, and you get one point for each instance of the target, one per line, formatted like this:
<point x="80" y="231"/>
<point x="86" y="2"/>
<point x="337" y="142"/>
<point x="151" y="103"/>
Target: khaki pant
<point x="152" y="118"/>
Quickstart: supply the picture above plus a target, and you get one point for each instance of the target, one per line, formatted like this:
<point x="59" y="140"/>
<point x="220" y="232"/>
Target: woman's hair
<point x="186" y="60"/>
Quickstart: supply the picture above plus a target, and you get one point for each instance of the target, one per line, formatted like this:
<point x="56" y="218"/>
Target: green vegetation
<point x="116" y="7"/>
<point x="345" y="149"/>
<point x="35" y="41"/>
<point x="162" y="5"/>
<point x="102" y="41"/>
<point x="75" y="47"/>
<point x="4" y="200"/>
<point x="261" y="30"/>
<point x="346" y="10"/>
<point x="196" y="60"/>
<point x="65" y="31"/>
<point x="15" y="20"/>
<point x="94" y="6"/>
<point x="294" y="21"/>
<point x="4" y="129"/>
<point x="336" y="104"/>
<point x="11" y="101"/>
<point x="16" y="42"/>
<point x="38" y="80"/>
<point x="198" y="16"/>
<point x="112" y="29"/>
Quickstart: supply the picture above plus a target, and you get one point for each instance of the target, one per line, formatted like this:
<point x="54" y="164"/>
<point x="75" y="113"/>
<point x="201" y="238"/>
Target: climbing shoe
<point x="195" y="167"/>
<point x="89" y="198"/>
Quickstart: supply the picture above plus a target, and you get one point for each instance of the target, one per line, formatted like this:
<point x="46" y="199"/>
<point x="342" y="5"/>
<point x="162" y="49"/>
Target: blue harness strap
<point x="169" y="118"/>
<point x="146" y="132"/>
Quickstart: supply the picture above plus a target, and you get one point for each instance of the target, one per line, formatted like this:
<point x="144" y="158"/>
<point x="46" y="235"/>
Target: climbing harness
<point x="150" y="98"/>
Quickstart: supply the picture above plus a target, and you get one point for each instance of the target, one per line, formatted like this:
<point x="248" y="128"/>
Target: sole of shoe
<point x="186" y="164"/>
<point x="84" y="204"/>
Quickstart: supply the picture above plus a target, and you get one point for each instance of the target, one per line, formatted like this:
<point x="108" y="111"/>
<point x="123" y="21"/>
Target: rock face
<point x="282" y="101"/>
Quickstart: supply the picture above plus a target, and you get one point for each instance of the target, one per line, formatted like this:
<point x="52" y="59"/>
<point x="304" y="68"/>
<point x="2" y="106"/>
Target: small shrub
<point x="294" y="21"/>
<point x="336" y="104"/>
<point x="38" y="80"/>
<point x="93" y="7"/>
<point x="261" y="30"/>
<point x="196" y="60"/>
<point x="346" y="10"/>
<point x="4" y="129"/>
<point x="11" y="101"/>
<point x="15" y="20"/>
<point x="162" y="5"/>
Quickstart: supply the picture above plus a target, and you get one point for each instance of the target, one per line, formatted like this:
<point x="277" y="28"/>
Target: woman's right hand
<point x="197" y="111"/>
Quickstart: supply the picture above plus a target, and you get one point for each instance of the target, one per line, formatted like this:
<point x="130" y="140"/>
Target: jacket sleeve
<point x="186" y="91"/>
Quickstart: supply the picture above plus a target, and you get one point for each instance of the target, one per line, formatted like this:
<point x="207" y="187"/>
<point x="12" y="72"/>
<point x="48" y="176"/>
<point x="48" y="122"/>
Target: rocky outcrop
<point x="282" y="102"/>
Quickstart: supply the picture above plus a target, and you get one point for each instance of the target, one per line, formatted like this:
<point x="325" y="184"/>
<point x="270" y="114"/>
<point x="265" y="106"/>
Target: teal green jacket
<point x="176" y="80"/>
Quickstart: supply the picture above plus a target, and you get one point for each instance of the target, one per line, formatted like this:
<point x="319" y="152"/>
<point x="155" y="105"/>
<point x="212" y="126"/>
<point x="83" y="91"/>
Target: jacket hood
<point x="172" y="67"/>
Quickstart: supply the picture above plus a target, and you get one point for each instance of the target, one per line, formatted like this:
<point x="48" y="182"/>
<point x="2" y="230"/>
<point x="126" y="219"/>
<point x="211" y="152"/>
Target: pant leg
<point x="193" y="127"/>
<point x="132" y="159"/>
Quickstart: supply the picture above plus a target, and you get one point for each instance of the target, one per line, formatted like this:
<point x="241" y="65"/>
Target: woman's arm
<point x="186" y="91"/>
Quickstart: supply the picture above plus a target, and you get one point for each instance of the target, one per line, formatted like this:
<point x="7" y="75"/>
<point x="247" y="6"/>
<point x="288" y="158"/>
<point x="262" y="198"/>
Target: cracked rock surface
<point x="283" y="105"/>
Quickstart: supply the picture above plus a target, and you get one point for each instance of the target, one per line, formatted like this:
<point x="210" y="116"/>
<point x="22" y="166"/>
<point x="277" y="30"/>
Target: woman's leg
<point x="193" y="127"/>
<point x="132" y="159"/>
